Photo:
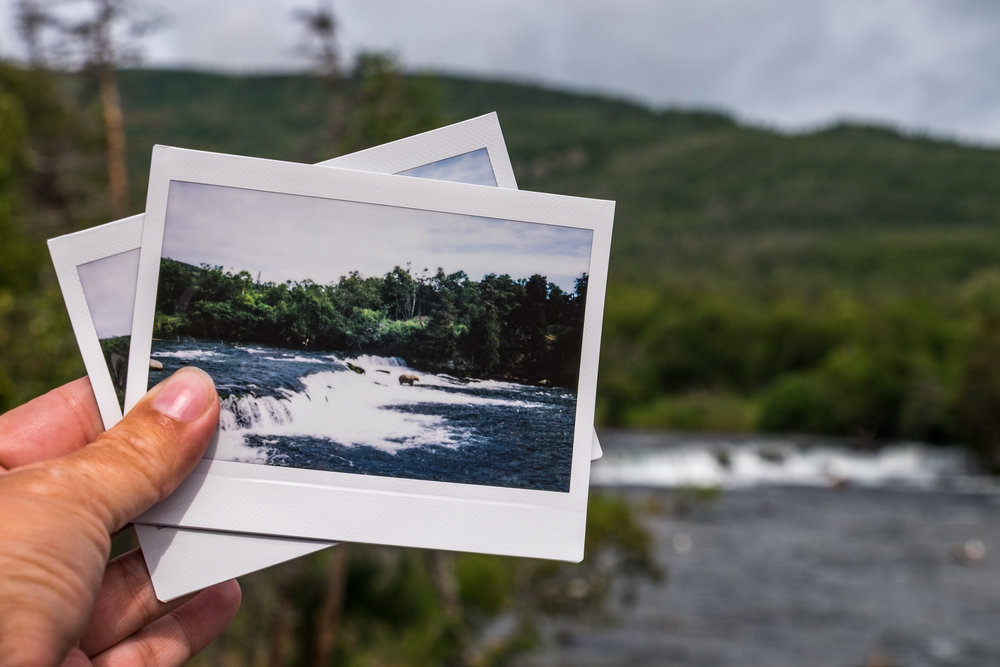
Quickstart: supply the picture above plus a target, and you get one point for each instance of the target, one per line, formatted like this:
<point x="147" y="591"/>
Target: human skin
<point x="65" y="488"/>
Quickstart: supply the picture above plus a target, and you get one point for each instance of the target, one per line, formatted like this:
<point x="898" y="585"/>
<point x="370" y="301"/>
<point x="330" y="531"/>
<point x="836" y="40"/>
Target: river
<point x="814" y="553"/>
<point x="354" y="414"/>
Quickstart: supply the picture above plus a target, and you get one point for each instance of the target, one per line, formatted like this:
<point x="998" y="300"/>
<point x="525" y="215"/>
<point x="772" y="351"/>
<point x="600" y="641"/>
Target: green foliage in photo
<point x="451" y="322"/>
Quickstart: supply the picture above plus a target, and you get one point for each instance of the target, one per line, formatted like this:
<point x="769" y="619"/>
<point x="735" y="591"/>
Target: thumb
<point x="146" y="455"/>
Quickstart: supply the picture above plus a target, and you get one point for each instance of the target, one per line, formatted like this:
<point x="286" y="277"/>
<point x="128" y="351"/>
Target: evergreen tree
<point x="388" y="105"/>
<point x="484" y="338"/>
<point x="440" y="344"/>
<point x="532" y="320"/>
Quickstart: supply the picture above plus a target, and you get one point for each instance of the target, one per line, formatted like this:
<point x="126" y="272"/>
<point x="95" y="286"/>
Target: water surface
<point x="308" y="409"/>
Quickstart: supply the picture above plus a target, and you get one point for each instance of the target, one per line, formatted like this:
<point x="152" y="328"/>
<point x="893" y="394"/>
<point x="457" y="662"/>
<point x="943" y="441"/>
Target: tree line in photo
<point x="526" y="329"/>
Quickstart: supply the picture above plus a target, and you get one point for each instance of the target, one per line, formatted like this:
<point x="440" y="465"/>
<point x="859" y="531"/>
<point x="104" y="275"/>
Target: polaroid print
<point x="301" y="331"/>
<point x="331" y="353"/>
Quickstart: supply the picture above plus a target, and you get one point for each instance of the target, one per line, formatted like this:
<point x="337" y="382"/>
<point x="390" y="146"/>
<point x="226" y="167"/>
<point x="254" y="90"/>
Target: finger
<point x="76" y="658"/>
<point x="135" y="464"/>
<point x="125" y="604"/>
<point x="50" y="426"/>
<point x="176" y="637"/>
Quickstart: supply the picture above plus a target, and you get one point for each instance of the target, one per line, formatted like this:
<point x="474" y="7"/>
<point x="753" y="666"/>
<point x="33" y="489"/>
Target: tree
<point x="388" y="105"/>
<point x="320" y="46"/>
<point x="399" y="294"/>
<point x="97" y="43"/>
<point x="440" y="343"/>
<point x="532" y="319"/>
<point x="484" y="339"/>
<point x="354" y="291"/>
<point x="59" y="138"/>
<point x="37" y="349"/>
<point x="32" y="22"/>
<point x="321" y="41"/>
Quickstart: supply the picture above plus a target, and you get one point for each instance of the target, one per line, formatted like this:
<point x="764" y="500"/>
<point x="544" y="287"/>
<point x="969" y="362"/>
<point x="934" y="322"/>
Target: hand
<point x="65" y="487"/>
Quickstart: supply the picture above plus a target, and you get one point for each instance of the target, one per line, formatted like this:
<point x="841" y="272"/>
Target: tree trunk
<point x="328" y="621"/>
<point x="441" y="565"/>
<point x="114" y="125"/>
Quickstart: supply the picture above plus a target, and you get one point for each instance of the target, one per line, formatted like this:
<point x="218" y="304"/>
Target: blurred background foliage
<point x="364" y="605"/>
<point x="842" y="282"/>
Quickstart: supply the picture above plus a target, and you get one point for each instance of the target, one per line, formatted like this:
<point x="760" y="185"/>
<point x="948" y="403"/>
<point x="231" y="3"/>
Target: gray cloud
<point x="924" y="65"/>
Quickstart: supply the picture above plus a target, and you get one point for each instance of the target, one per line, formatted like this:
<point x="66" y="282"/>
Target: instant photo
<point x="376" y="340"/>
<point x="376" y="332"/>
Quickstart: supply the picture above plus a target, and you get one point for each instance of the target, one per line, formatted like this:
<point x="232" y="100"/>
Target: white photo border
<point x="434" y="146"/>
<point x="360" y="508"/>
<point x="68" y="253"/>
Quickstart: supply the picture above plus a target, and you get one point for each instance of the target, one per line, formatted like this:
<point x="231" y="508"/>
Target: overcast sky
<point x="289" y="237"/>
<point x="924" y="65"/>
<point x="110" y="302"/>
<point x="473" y="167"/>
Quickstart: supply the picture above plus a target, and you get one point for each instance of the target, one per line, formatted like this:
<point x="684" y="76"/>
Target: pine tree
<point x="440" y="344"/>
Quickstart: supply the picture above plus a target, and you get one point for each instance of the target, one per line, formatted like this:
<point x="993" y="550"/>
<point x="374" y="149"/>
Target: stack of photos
<point x="402" y="359"/>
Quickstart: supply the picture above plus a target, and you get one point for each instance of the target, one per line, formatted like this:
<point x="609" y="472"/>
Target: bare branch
<point x="320" y="43"/>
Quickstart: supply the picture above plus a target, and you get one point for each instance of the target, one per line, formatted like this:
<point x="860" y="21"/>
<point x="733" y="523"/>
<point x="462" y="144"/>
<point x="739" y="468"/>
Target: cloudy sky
<point x="110" y="306"/>
<point x="923" y="65"/>
<point x="473" y="167"/>
<point x="289" y="237"/>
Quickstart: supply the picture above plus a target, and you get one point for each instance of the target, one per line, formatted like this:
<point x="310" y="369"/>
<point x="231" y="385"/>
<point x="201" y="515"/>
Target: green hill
<point x="844" y="281"/>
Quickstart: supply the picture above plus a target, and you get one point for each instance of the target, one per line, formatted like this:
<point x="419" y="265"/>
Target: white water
<point x="253" y="350"/>
<point x="298" y="358"/>
<point x="188" y="354"/>
<point x="353" y="409"/>
<point x="366" y="360"/>
<point x="726" y="465"/>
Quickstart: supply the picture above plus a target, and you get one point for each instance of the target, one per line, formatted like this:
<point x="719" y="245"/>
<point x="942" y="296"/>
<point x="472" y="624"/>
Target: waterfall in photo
<point x="376" y="415"/>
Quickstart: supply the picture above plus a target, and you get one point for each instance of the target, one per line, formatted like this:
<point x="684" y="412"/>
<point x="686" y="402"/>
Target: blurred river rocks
<point x="798" y="552"/>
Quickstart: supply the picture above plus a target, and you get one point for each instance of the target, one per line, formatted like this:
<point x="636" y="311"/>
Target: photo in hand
<point x="331" y="351"/>
<point x="315" y="291"/>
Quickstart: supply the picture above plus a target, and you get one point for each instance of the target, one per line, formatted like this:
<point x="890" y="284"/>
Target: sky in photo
<point x="281" y="237"/>
<point x="473" y="167"/>
<point x="109" y="287"/>
<point x="923" y="65"/>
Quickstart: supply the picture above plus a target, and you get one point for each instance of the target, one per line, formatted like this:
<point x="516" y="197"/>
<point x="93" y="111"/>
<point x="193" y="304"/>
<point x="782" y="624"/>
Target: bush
<point x="798" y="403"/>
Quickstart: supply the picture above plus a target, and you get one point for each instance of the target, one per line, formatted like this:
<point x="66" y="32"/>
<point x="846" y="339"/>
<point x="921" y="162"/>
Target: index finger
<point x="52" y="425"/>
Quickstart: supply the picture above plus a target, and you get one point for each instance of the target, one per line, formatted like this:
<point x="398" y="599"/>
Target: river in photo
<point x="810" y="552"/>
<point x="337" y="412"/>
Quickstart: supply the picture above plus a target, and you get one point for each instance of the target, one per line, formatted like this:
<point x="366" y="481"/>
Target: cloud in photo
<point x="473" y="167"/>
<point x="109" y="288"/>
<point x="281" y="237"/>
